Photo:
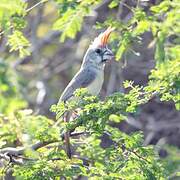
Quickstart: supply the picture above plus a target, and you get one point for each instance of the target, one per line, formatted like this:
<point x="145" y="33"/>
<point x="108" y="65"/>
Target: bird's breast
<point x="95" y="87"/>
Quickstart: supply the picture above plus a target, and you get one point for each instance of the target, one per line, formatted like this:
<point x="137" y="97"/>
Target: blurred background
<point x="45" y="73"/>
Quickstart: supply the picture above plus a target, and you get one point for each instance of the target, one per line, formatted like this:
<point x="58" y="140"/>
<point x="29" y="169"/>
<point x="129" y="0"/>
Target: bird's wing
<point x="81" y="80"/>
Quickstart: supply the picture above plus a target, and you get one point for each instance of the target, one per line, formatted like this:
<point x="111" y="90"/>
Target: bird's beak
<point x="107" y="56"/>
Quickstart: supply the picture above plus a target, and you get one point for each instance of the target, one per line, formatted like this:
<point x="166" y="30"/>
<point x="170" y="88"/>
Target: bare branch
<point x="21" y="150"/>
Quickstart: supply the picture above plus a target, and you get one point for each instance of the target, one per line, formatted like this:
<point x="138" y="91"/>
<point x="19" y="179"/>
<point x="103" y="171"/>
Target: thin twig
<point x="76" y="134"/>
<point x="37" y="4"/>
<point x="140" y="157"/>
<point x="127" y="6"/>
<point x="130" y="150"/>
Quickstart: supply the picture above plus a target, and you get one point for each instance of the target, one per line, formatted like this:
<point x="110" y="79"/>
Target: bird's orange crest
<point x="102" y="39"/>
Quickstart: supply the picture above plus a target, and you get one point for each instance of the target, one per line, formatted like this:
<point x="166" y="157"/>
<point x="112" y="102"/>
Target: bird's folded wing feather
<point x="81" y="80"/>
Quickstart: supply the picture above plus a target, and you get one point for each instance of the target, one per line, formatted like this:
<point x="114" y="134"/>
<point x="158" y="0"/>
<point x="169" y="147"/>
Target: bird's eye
<point x="98" y="51"/>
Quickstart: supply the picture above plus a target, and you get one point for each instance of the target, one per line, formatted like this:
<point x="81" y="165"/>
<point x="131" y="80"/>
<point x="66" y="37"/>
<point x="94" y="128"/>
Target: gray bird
<point x="91" y="73"/>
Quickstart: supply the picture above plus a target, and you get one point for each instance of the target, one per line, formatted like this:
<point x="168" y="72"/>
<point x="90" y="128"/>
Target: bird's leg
<point x="73" y="116"/>
<point x="67" y="136"/>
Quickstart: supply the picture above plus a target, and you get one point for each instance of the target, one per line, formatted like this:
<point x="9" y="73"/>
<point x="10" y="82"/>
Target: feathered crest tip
<point x="103" y="37"/>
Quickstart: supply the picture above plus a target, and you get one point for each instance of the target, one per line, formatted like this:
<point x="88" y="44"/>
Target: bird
<point x="90" y="75"/>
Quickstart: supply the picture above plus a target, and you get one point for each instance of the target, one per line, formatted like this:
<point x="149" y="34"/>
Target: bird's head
<point x="98" y="53"/>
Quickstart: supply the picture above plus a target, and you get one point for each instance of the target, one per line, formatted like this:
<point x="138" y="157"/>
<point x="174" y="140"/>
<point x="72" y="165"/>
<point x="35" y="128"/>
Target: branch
<point x="11" y="159"/>
<point x="20" y="151"/>
<point x="139" y="156"/>
<point x="131" y="151"/>
<point x="37" y="4"/>
<point x="11" y="153"/>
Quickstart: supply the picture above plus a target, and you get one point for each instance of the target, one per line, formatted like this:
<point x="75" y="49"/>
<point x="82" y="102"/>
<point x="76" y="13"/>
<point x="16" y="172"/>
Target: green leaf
<point x="71" y="21"/>
<point x="162" y="7"/>
<point x="18" y="42"/>
<point x="117" y="118"/>
<point x="69" y="24"/>
<point x="120" y="51"/>
<point x="114" y="4"/>
<point x="10" y="7"/>
<point x="142" y="27"/>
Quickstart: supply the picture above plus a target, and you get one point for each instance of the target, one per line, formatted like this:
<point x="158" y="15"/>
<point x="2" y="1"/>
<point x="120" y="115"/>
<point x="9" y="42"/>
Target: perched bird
<point x="91" y="73"/>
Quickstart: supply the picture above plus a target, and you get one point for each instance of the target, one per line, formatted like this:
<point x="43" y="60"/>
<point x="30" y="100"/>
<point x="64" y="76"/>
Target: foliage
<point x="123" y="159"/>
<point x="72" y="14"/>
<point x="127" y="157"/>
<point x="10" y="97"/>
<point x="9" y="9"/>
<point x="19" y="43"/>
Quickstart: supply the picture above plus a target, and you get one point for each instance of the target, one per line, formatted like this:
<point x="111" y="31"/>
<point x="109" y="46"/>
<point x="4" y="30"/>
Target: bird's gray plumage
<point x="91" y="73"/>
<point x="82" y="79"/>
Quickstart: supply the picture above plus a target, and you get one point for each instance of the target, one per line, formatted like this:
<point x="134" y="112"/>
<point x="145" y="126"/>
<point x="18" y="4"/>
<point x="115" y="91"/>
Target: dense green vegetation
<point x="32" y="145"/>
